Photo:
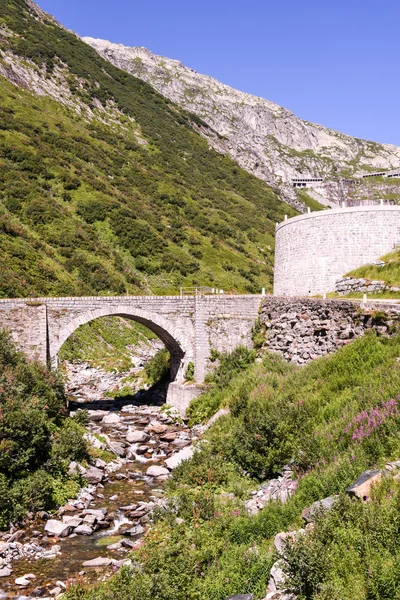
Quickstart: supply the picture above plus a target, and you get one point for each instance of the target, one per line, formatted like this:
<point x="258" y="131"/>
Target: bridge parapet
<point x="189" y="326"/>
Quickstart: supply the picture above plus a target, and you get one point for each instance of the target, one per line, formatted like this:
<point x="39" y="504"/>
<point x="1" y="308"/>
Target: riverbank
<point x="110" y="515"/>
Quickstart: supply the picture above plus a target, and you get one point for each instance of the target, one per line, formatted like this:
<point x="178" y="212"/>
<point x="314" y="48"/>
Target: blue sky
<point x="331" y="62"/>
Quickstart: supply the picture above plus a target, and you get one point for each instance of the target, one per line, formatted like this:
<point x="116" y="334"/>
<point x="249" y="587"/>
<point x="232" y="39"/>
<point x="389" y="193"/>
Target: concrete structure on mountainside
<point x="189" y="326"/>
<point x="313" y="251"/>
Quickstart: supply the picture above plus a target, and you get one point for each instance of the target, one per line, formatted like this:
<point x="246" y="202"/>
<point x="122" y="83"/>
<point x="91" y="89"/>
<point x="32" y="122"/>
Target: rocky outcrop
<point x="266" y="139"/>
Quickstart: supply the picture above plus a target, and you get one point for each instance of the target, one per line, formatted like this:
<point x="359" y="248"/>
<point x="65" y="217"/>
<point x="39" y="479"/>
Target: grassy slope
<point x="390" y="272"/>
<point x="106" y="343"/>
<point x="320" y="416"/>
<point x="86" y="208"/>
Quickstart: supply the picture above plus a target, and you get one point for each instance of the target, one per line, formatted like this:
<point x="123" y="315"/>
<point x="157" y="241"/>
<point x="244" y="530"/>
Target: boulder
<point x="83" y="530"/>
<point x="55" y="591"/>
<point x="118" y="448"/>
<point x="93" y="441"/>
<point x="283" y="537"/>
<point x="111" y="419"/>
<point x="180" y="443"/>
<point x="5" y="572"/>
<point x="156" y="428"/>
<point x="134" y="531"/>
<point x="102" y="561"/>
<point x="361" y="488"/>
<point x="97" y="415"/>
<point x="320" y="506"/>
<point x="141" y="450"/>
<point x="75" y="468"/>
<point x="94" y="475"/>
<point x="180" y="456"/>
<point x="157" y="471"/>
<point x="169" y="436"/>
<point x="137" y="437"/>
<point x="90" y="519"/>
<point x="72" y="521"/>
<point x="57" y="528"/>
<point x="97" y="512"/>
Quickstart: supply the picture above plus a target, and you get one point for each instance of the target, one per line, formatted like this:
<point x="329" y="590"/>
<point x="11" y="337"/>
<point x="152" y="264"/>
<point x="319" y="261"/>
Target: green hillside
<point x="110" y="190"/>
<point x="334" y="418"/>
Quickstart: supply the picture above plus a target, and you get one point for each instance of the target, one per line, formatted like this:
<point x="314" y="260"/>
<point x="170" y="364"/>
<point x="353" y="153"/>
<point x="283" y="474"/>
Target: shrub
<point x="37" y="441"/>
<point x="158" y="368"/>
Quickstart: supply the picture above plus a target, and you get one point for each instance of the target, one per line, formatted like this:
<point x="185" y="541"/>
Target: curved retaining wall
<point x="313" y="251"/>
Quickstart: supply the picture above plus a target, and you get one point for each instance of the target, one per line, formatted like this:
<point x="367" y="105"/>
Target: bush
<point x="37" y="441"/>
<point x="158" y="368"/>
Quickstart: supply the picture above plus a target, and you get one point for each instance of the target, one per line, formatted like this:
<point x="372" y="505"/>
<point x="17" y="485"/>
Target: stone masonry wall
<point x="302" y="329"/>
<point x="313" y="251"/>
<point x="348" y="285"/>
<point x="188" y="326"/>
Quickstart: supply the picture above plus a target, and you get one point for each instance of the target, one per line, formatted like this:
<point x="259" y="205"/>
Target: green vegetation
<point x="37" y="439"/>
<point x="107" y="343"/>
<point x="390" y="272"/>
<point x="309" y="201"/>
<point x="157" y="368"/>
<point x="333" y="418"/>
<point x="126" y="199"/>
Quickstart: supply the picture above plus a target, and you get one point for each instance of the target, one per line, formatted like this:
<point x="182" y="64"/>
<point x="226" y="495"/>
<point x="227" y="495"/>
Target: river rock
<point x="55" y="591"/>
<point x="94" y="475"/>
<point x="169" y="436"/>
<point x="157" y="471"/>
<point x="137" y="437"/>
<point x="97" y="415"/>
<point x="83" y="530"/>
<point x="93" y="441"/>
<point x="22" y="581"/>
<point x="111" y="419"/>
<point x="180" y="443"/>
<point x="99" y="513"/>
<point x="241" y="597"/>
<point x="101" y="561"/>
<point x="5" y="572"/>
<point x="117" y="448"/>
<point x="90" y="519"/>
<point x="57" y="528"/>
<point x="135" y="531"/>
<point x="180" y="456"/>
<point x="72" y="521"/>
<point x="75" y="468"/>
<point x="141" y="450"/>
<point x="156" y="428"/>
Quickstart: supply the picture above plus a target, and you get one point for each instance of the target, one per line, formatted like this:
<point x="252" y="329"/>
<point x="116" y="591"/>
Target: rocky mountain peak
<point x="266" y="139"/>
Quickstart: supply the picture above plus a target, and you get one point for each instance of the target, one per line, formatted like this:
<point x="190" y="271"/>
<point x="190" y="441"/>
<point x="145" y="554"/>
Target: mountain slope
<point x="106" y="187"/>
<point x="264" y="138"/>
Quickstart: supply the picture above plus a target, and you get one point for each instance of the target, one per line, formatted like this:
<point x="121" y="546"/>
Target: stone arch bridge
<point x="189" y="326"/>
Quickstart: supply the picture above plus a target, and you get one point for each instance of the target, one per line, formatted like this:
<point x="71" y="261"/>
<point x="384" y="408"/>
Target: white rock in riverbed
<point x="57" y="528"/>
<point x="157" y="471"/>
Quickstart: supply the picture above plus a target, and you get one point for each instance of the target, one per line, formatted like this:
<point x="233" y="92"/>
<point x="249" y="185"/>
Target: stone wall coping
<point x="338" y="211"/>
<point x="124" y="299"/>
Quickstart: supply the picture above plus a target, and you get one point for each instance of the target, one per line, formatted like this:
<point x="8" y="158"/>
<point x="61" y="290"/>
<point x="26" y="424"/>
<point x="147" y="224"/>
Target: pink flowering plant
<point x="367" y="422"/>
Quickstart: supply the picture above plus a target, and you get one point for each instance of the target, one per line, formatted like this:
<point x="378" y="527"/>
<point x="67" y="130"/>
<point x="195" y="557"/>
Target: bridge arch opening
<point x="174" y="340"/>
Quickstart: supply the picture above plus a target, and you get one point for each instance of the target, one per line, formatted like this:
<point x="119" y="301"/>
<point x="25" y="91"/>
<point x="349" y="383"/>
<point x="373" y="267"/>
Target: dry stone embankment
<point x="303" y="329"/>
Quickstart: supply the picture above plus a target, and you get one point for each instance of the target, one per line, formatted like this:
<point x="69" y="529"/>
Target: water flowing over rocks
<point x="117" y="503"/>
